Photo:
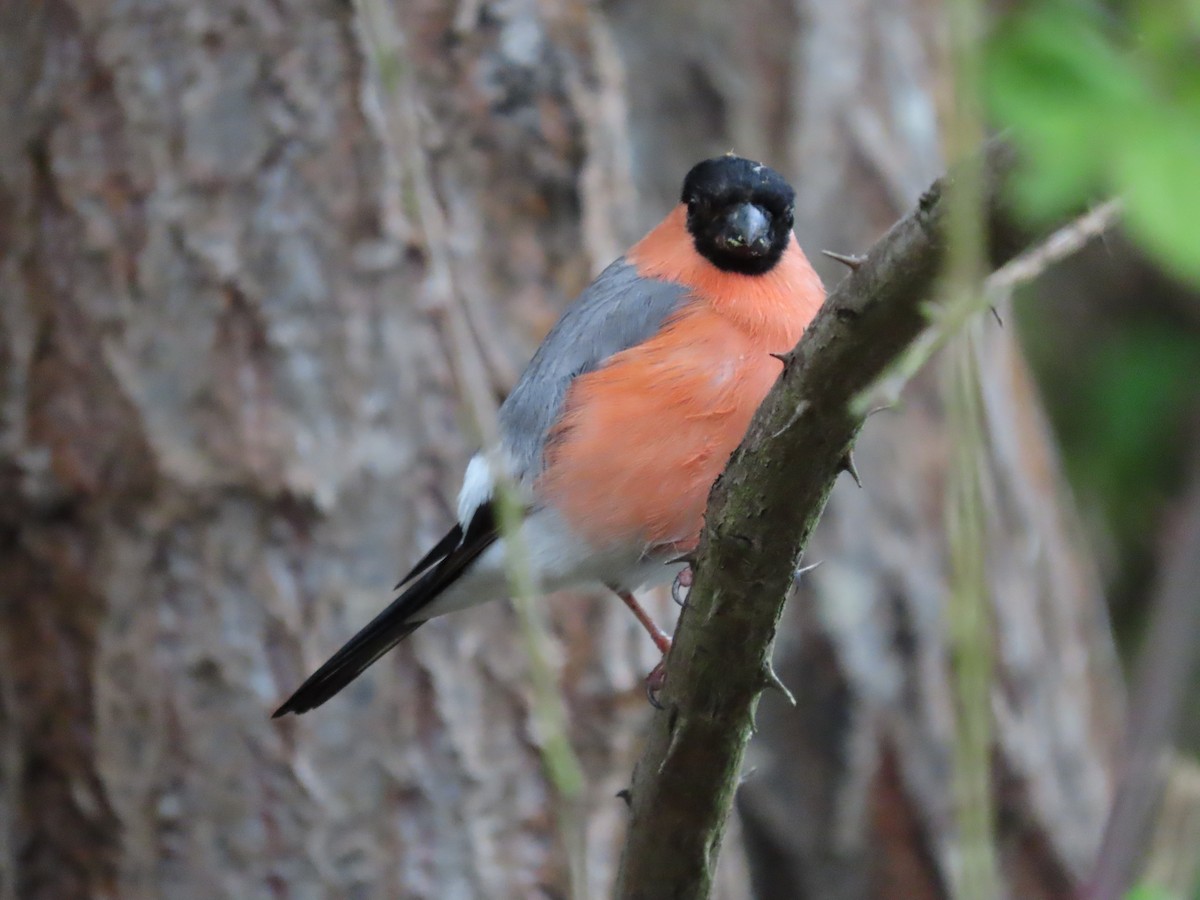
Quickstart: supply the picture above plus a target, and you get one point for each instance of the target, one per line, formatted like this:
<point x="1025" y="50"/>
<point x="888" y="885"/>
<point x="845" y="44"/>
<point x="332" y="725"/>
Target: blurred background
<point x="235" y="241"/>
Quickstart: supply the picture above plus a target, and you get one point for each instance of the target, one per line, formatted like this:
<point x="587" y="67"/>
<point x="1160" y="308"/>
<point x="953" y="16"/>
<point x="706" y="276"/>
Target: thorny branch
<point x="760" y="515"/>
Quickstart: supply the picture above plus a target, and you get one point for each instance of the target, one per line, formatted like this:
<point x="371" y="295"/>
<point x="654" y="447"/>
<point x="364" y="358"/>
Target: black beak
<point x="746" y="231"/>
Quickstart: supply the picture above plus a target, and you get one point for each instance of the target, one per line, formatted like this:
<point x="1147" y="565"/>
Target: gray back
<point x="616" y="311"/>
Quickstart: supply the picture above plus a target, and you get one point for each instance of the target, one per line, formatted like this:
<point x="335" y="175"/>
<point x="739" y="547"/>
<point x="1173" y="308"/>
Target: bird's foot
<point x="682" y="583"/>
<point x="658" y="675"/>
<point x="655" y="681"/>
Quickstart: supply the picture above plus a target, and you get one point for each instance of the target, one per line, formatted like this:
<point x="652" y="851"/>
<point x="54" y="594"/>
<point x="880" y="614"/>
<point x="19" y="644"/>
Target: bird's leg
<point x="658" y="675"/>
<point x="656" y="634"/>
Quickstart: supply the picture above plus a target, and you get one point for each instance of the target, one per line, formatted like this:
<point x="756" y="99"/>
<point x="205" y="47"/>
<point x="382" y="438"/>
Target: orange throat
<point x="774" y="307"/>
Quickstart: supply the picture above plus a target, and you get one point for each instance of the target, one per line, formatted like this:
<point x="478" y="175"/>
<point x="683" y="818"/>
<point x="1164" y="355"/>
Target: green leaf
<point x="1149" y="892"/>
<point x="1052" y="77"/>
<point x="1160" y="177"/>
<point x="1094" y="117"/>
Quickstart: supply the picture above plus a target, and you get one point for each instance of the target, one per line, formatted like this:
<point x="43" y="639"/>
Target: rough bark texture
<point x="228" y="418"/>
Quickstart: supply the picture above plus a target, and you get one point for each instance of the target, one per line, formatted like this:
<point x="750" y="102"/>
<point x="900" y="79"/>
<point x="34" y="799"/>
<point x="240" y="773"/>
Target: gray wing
<point x="616" y="311"/>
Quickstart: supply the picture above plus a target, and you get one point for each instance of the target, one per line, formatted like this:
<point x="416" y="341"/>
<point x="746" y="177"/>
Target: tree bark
<point x="230" y="419"/>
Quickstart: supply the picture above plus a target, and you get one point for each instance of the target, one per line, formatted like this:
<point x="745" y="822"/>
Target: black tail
<point x="458" y="550"/>
<point x="385" y="631"/>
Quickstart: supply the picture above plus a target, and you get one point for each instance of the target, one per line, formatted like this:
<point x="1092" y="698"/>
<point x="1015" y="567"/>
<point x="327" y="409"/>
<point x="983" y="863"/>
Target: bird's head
<point x="739" y="213"/>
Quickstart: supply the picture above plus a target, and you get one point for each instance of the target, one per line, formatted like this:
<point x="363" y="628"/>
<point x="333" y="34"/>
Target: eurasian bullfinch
<point x="626" y="415"/>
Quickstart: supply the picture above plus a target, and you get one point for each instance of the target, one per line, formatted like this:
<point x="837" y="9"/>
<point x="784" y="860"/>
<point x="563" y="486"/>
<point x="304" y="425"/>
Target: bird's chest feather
<point x="642" y="439"/>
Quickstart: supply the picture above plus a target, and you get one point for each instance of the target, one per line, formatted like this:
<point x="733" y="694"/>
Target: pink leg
<point x="658" y="675"/>
<point x="656" y="634"/>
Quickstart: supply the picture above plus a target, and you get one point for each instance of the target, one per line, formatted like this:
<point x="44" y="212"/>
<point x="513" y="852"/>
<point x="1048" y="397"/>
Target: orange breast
<point x="642" y="439"/>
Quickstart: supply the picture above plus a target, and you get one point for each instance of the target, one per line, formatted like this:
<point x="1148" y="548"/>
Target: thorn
<point x="801" y="409"/>
<point x="846" y="464"/>
<point x="685" y="558"/>
<point x="930" y="198"/>
<point x="849" y="260"/>
<point x="803" y="570"/>
<point x="747" y="775"/>
<point x="627" y="796"/>
<point x="879" y="409"/>
<point x="996" y="316"/>
<point x="771" y="680"/>
<point x="785" y="358"/>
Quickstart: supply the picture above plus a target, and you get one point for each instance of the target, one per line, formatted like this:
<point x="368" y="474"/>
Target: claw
<point x="652" y="696"/>
<point x="682" y="581"/>
<point x="654" y="683"/>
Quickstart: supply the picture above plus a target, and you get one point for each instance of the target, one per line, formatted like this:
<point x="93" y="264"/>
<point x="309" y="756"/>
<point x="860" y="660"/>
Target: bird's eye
<point x="784" y="214"/>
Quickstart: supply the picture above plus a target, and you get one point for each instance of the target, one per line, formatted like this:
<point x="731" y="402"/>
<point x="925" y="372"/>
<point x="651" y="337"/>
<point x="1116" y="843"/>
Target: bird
<point x="624" y="418"/>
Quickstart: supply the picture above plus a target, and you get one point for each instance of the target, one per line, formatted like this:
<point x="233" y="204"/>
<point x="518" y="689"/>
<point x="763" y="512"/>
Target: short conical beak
<point x="745" y="232"/>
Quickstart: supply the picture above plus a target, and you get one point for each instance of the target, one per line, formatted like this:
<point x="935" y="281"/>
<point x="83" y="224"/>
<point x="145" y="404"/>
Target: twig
<point x="949" y="319"/>
<point x="968" y="617"/>
<point x="974" y="872"/>
<point x="1062" y="244"/>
